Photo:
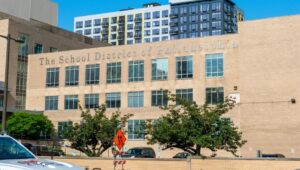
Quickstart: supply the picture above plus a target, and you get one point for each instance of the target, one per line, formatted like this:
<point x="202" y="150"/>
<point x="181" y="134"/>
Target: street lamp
<point x="8" y="38"/>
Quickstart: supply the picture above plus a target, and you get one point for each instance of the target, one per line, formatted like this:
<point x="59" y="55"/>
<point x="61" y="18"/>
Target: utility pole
<point x="4" y="112"/>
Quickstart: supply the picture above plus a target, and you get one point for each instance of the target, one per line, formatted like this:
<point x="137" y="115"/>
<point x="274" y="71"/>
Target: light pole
<point x="8" y="38"/>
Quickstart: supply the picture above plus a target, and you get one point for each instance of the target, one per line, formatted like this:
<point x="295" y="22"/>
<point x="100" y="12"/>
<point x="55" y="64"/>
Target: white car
<point x="14" y="156"/>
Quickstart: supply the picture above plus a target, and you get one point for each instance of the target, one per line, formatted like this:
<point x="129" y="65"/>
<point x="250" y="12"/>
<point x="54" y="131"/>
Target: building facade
<point x="258" y="66"/>
<point x="153" y="23"/>
<point x="44" y="11"/>
<point x="38" y="38"/>
<point x="130" y="26"/>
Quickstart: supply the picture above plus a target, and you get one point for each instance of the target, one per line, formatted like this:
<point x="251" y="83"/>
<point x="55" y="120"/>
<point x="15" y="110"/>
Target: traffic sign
<point x="120" y="139"/>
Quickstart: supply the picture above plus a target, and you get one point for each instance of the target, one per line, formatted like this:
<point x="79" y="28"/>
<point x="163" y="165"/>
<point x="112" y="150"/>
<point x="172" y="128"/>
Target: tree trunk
<point x="198" y="150"/>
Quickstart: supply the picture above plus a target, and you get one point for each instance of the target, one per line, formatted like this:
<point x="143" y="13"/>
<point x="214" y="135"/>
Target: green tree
<point x="96" y="132"/>
<point x="191" y="127"/>
<point x="28" y="125"/>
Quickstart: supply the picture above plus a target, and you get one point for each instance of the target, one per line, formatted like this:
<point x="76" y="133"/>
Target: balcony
<point x="174" y="24"/>
<point x="138" y="20"/>
<point x="104" y="32"/>
<point x="121" y="29"/>
<point x="174" y="32"/>
<point x="105" y="24"/>
<point x="138" y="28"/>
<point x="138" y="36"/>
<point x="121" y="21"/>
<point x="173" y="15"/>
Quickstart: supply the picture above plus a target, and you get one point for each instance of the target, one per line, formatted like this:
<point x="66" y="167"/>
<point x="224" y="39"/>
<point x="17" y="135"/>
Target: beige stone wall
<point x="261" y="61"/>
<point x="193" y="164"/>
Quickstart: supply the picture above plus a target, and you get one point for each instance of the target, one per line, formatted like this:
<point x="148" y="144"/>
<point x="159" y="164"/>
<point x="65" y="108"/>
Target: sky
<point x="254" y="9"/>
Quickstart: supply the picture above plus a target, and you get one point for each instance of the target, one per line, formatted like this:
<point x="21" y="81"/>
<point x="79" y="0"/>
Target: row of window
<point x="196" y="34"/>
<point x="196" y="8"/>
<point x="135" y="129"/>
<point x="214" y="67"/>
<point x="130" y="18"/>
<point x="135" y="99"/>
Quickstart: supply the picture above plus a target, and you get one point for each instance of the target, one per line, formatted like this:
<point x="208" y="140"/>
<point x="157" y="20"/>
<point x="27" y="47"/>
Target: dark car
<point x="277" y="155"/>
<point x="139" y="152"/>
<point x="182" y="155"/>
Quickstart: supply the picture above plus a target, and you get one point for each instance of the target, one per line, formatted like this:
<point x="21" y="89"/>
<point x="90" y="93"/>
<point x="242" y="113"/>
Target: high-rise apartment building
<point x="129" y="26"/>
<point x="201" y="18"/>
<point x="179" y="19"/>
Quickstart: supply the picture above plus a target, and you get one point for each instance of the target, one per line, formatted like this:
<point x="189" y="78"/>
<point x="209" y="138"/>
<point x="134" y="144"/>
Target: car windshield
<point x="10" y="149"/>
<point x="134" y="151"/>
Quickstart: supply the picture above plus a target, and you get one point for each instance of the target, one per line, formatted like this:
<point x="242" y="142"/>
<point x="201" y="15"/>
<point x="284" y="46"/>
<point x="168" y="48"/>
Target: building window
<point x="53" y="49"/>
<point x="216" y="32"/>
<point x="147" y="40"/>
<point x="113" y="74"/>
<point x="165" y="13"/>
<point x="147" y="24"/>
<point x="204" y="26"/>
<point x="92" y="74"/>
<point x="156" y="31"/>
<point x="204" y="17"/>
<point x="164" y="38"/>
<point x="97" y="31"/>
<point x="165" y="22"/>
<point x="130" y="35"/>
<point x="97" y="22"/>
<point x="23" y="47"/>
<point x="156" y="23"/>
<point x="1" y="101"/>
<point x="183" y="10"/>
<point x="51" y="103"/>
<point x="194" y="18"/>
<point x="160" y="69"/>
<point x="216" y="6"/>
<point x="184" y="19"/>
<point x="193" y="9"/>
<point x="79" y="32"/>
<point x="72" y="76"/>
<point x="88" y="32"/>
<point x="156" y="14"/>
<point x="91" y="101"/>
<point x="216" y="16"/>
<point x="88" y="23"/>
<point x="194" y="27"/>
<point x="113" y="100"/>
<point x="204" y="8"/>
<point x="136" y="99"/>
<point x="216" y="25"/>
<point x="129" y="42"/>
<point x="136" y="129"/>
<point x="130" y="27"/>
<point x="136" y="71"/>
<point x="62" y="128"/>
<point x="147" y="32"/>
<point x="147" y="15"/>
<point x="185" y="94"/>
<point x="71" y="102"/>
<point x="159" y="98"/>
<point x="129" y="18"/>
<point x="184" y="67"/>
<point x="165" y="31"/>
<point x="114" y="20"/>
<point x="204" y="34"/>
<point x="214" y="95"/>
<point x="38" y="48"/>
<point x="52" y="78"/>
<point x="79" y="24"/>
<point x="155" y="39"/>
<point x="214" y="64"/>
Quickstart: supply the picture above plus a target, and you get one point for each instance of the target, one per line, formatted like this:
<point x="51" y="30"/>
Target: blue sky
<point x="254" y="9"/>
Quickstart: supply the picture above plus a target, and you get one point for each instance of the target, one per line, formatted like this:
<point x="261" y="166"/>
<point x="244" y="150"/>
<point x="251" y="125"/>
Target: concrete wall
<point x="190" y="164"/>
<point x="41" y="10"/>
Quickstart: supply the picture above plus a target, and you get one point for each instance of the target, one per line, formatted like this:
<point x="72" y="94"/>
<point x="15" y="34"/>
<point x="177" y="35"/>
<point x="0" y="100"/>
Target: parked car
<point x="42" y="150"/>
<point x="139" y="152"/>
<point x="276" y="155"/>
<point x="15" y="156"/>
<point x="182" y="155"/>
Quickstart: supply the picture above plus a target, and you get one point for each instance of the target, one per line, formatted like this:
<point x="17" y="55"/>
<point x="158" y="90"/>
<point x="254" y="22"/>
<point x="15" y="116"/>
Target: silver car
<point x="14" y="156"/>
